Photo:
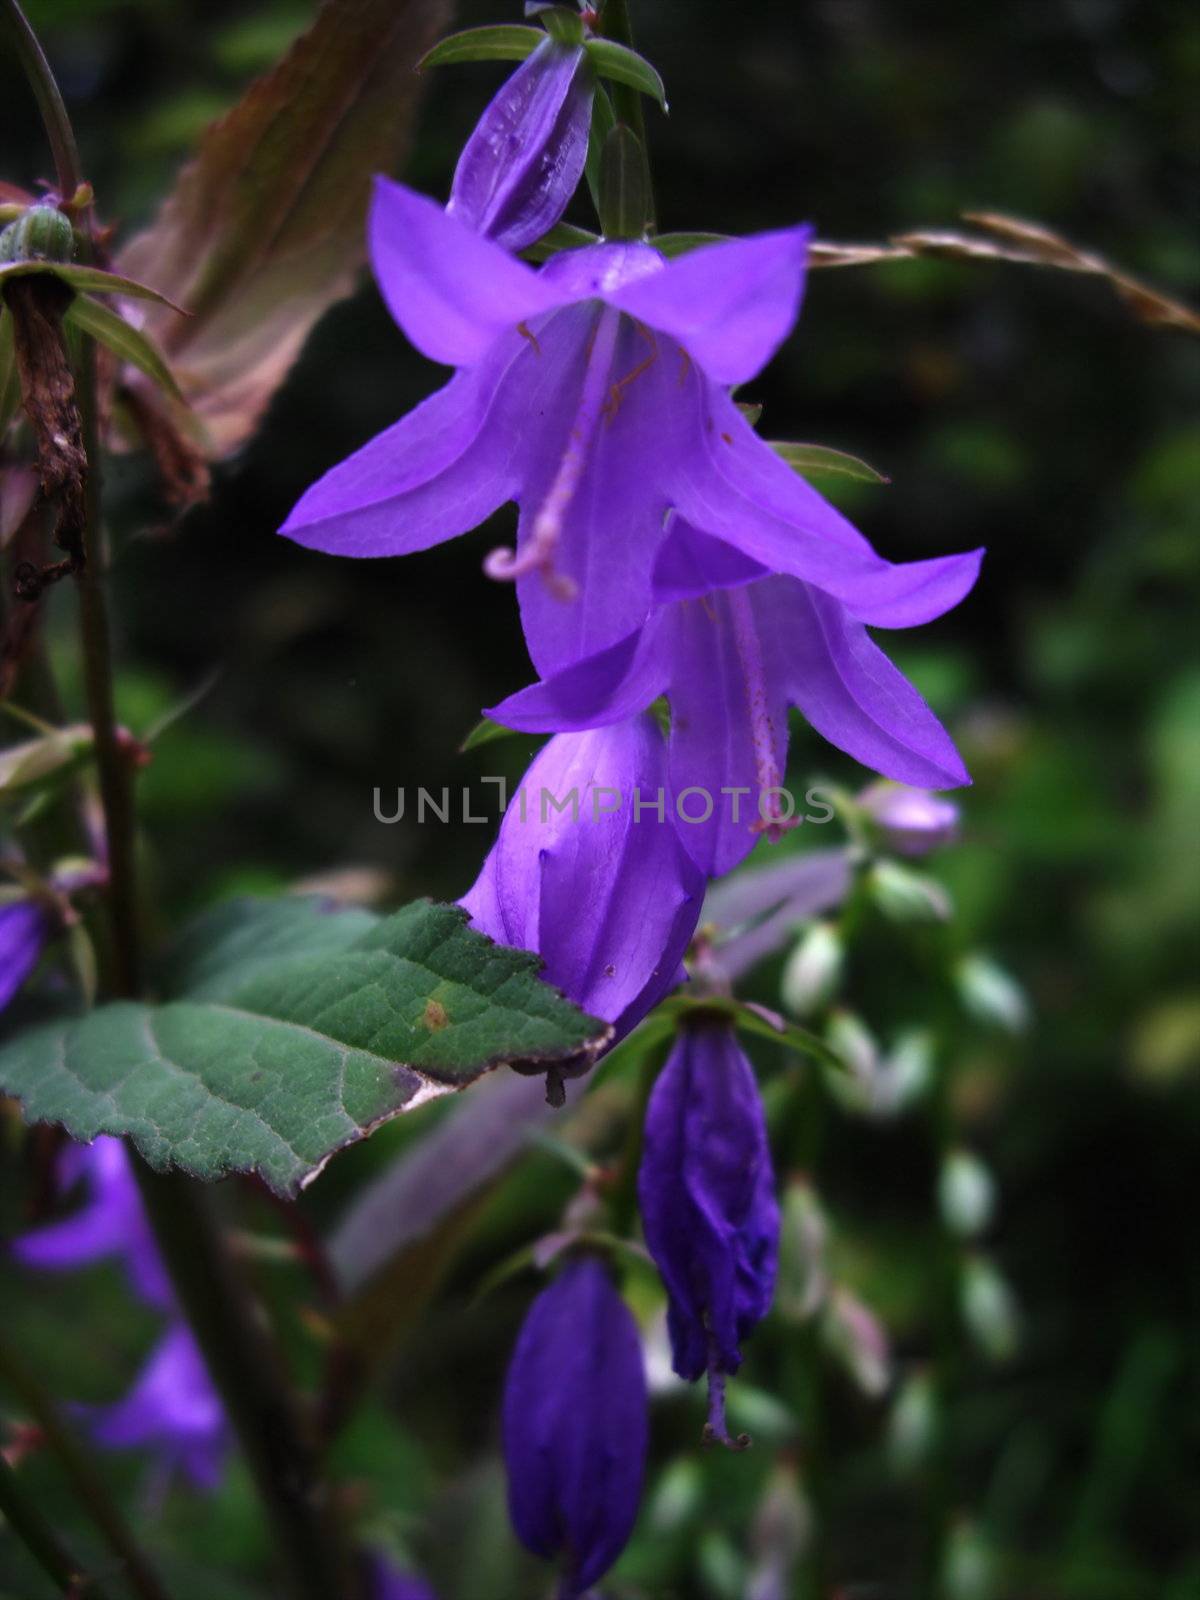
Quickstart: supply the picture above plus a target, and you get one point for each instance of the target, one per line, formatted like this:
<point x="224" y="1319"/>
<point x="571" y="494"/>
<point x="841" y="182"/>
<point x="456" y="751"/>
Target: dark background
<point x="1019" y="409"/>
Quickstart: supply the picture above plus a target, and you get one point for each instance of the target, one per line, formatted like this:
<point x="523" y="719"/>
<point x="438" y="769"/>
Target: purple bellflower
<point x="588" y="871"/>
<point x="707" y="1194"/>
<point x="24" y="929"/>
<point x="912" y="822"/>
<point x="171" y="1409"/>
<point x="111" y="1222"/>
<point x="386" y="1582"/>
<point x="522" y="164"/>
<point x="575" y="1425"/>
<point x="595" y="393"/>
<point x="732" y="646"/>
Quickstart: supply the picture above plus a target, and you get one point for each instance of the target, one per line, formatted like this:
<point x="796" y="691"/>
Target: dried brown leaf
<point x="264" y="228"/>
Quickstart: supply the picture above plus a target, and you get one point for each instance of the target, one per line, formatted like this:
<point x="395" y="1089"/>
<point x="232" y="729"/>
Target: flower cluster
<point x="667" y="560"/>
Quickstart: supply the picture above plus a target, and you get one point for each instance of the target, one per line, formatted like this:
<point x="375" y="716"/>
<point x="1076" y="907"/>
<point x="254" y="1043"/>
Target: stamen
<point x="616" y="392"/>
<point x="716" y="1429"/>
<point x="770" y="778"/>
<point x="527" y="332"/>
<point x="537" y="555"/>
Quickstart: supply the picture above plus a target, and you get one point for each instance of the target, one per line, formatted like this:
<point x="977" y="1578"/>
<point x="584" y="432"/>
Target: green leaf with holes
<point x="288" y="1031"/>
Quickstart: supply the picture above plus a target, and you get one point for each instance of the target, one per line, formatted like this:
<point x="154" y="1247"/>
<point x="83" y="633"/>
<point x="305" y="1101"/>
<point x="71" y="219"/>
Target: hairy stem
<point x="81" y="1472"/>
<point x="49" y="99"/>
<point x="245" y="1367"/>
<point x="40" y="1539"/>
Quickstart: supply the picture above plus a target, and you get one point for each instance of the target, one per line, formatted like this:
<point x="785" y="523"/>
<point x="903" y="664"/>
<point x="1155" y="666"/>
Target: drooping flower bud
<point x="522" y="164"/>
<point x="24" y="929"/>
<point x="813" y="970"/>
<point x="588" y="870"/>
<point x="966" y="1193"/>
<point x="911" y="821"/>
<point x="111" y="1222"/>
<point x="42" y="233"/>
<point x="707" y="1193"/>
<point x="173" y="1410"/>
<point x="575" y="1425"/>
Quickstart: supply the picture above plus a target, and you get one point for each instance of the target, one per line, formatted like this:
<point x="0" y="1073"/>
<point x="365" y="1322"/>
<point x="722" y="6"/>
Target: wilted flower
<point x="707" y="1194"/>
<point x="520" y="167"/>
<point x="911" y="821"/>
<point x="172" y="1410"/>
<point x="588" y="871"/>
<point x="24" y="929"/>
<point x="732" y="647"/>
<point x="111" y="1222"/>
<point x="595" y="393"/>
<point x="575" y="1425"/>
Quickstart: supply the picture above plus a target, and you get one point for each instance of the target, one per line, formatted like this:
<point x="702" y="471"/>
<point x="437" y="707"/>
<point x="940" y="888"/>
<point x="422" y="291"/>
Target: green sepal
<point x="505" y="42"/>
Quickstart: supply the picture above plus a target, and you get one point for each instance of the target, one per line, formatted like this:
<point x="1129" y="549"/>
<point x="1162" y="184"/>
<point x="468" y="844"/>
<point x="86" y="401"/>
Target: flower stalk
<point x="81" y="1472"/>
<point x="40" y="1539"/>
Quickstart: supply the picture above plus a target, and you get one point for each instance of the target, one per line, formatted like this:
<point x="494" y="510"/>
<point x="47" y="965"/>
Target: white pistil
<point x="538" y="552"/>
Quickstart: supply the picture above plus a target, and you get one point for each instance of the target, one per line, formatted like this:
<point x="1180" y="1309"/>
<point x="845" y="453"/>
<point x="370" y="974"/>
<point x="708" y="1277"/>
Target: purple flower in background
<point x="111" y="1222"/>
<point x="24" y="929"/>
<point x="589" y="872"/>
<point x="520" y="167"/>
<point x="594" y="392"/>
<point x="732" y="647"/>
<point x="172" y="1410"/>
<point x="912" y="822"/>
<point x="387" y="1582"/>
<point x="707" y="1194"/>
<point x="575" y="1425"/>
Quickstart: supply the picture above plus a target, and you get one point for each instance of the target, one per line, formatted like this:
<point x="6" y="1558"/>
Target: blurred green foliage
<point x="1017" y="409"/>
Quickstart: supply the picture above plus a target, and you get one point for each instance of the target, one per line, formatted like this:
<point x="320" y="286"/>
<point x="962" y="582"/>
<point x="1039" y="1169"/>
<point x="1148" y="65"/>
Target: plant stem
<point x="82" y="1474"/>
<point x="49" y="99"/>
<point x="246" y="1369"/>
<point x="40" y="1539"/>
<point x="627" y="101"/>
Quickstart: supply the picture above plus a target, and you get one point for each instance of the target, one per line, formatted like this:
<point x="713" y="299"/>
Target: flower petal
<point x="606" y="687"/>
<point x="438" y="472"/>
<point x="730" y="305"/>
<point x="849" y="690"/>
<point x="523" y="162"/>
<point x="451" y="290"/>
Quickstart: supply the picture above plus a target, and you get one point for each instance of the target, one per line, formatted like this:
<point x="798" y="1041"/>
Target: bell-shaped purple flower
<point x="522" y="164"/>
<point x="24" y="929"/>
<point x="385" y="1581"/>
<point x="172" y="1410"/>
<point x="595" y="393"/>
<point x="732" y="646"/>
<point x="912" y="822"/>
<point x="575" y="1425"/>
<point x="589" y="872"/>
<point x="111" y="1222"/>
<point x="706" y="1189"/>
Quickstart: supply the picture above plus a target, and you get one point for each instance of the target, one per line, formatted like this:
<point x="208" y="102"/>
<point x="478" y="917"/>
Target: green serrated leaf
<point x="820" y="459"/>
<point x="511" y="41"/>
<point x="83" y="279"/>
<point x="622" y="65"/>
<point x="272" y="1065"/>
<point x="123" y="339"/>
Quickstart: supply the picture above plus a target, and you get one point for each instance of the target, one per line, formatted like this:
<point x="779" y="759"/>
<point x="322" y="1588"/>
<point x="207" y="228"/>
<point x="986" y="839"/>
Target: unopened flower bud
<point x="803" y="1272"/>
<point x="912" y="1424"/>
<point x="992" y="995"/>
<point x="966" y="1193"/>
<point x="910" y="821"/>
<point x="968" y="1566"/>
<point x="575" y="1425"/>
<point x="859" y="1340"/>
<point x="989" y="1309"/>
<point x="42" y="233"/>
<point x="813" y="970"/>
<point x="781" y="1532"/>
<point x="907" y="896"/>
